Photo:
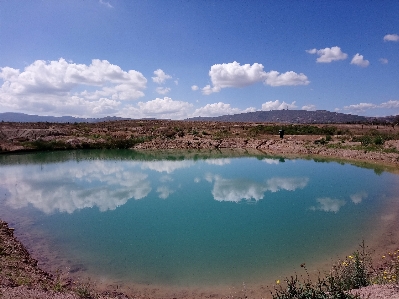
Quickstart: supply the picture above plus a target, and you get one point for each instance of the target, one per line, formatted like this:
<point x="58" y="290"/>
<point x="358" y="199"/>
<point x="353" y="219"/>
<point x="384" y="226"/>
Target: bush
<point x="354" y="272"/>
<point x="371" y="139"/>
<point x="322" y="141"/>
<point x="378" y="140"/>
<point x="293" y="130"/>
<point x="323" y="289"/>
<point x="42" y="145"/>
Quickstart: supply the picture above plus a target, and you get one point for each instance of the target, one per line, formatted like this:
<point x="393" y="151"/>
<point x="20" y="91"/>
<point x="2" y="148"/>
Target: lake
<point x="190" y="219"/>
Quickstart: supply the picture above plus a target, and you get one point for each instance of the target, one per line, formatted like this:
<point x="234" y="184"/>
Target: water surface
<point x="196" y="219"/>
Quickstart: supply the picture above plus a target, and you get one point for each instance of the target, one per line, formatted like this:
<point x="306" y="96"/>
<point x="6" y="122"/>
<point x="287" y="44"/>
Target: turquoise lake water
<point x="192" y="219"/>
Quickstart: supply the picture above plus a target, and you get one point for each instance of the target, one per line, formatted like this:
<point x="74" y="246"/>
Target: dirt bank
<point x="373" y="144"/>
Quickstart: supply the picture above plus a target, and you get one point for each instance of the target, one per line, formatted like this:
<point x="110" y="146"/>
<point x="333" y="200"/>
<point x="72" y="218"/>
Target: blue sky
<point x="179" y="59"/>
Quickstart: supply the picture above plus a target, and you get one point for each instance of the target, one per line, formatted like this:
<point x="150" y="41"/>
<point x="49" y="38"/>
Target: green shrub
<point x="378" y="140"/>
<point x="372" y="139"/>
<point x="42" y="145"/>
<point x="293" y="130"/>
<point x="354" y="272"/>
<point x="320" y="141"/>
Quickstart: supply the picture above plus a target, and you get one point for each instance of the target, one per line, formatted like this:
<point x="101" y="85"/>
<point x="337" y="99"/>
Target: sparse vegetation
<point x="374" y="137"/>
<point x="84" y="290"/>
<point x="360" y="141"/>
<point x="293" y="130"/>
<point x="354" y="272"/>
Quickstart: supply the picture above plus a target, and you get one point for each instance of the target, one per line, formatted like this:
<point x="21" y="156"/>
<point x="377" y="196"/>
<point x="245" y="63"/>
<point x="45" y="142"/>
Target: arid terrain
<point x="371" y="143"/>
<point x="22" y="278"/>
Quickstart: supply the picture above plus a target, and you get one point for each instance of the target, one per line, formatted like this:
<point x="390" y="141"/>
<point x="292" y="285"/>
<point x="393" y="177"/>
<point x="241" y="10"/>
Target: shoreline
<point x="373" y="144"/>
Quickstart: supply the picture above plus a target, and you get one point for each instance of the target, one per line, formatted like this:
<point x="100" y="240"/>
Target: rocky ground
<point x="371" y="143"/>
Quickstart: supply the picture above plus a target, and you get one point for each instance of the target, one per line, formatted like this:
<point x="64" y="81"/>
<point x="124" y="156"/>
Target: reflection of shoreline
<point x="183" y="154"/>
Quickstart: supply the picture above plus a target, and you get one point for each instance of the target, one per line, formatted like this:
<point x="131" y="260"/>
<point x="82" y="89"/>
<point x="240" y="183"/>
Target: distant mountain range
<point x="22" y="117"/>
<point x="282" y="116"/>
<point x="296" y="116"/>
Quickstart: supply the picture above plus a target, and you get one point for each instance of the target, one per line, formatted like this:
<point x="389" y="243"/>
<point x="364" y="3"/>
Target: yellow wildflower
<point x="278" y="281"/>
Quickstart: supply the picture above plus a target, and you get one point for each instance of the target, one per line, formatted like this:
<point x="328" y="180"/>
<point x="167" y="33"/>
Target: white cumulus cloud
<point x="164" y="108"/>
<point x="391" y="38"/>
<point x="274" y="78"/>
<point x="360" y="61"/>
<point x="162" y="90"/>
<point x="216" y="109"/>
<point x="383" y="60"/>
<point x="160" y="76"/>
<point x="59" y="87"/>
<point x="328" y="55"/>
<point x="390" y="104"/>
<point x="194" y="87"/>
<point x="207" y="90"/>
<point x="309" y="107"/>
<point x="236" y="75"/>
<point x="277" y="105"/>
<point x="361" y="107"/>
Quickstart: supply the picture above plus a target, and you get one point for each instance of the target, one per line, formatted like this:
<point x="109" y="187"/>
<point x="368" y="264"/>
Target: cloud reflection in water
<point x="327" y="204"/>
<point x="68" y="187"/>
<point x="235" y="190"/>
<point x="358" y="197"/>
<point x="167" y="166"/>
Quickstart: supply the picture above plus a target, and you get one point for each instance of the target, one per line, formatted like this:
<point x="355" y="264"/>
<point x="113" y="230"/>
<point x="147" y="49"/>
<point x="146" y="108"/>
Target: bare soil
<point x="165" y="134"/>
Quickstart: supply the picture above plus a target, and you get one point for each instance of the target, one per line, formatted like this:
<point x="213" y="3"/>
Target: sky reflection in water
<point x="203" y="221"/>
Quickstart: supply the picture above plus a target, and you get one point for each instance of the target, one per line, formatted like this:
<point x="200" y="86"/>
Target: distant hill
<point x="21" y="117"/>
<point x="289" y="116"/>
<point x="282" y="116"/>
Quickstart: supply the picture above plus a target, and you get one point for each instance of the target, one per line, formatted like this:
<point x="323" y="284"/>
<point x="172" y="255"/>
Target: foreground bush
<point x="354" y="272"/>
